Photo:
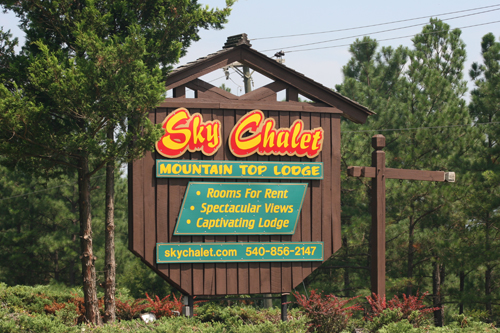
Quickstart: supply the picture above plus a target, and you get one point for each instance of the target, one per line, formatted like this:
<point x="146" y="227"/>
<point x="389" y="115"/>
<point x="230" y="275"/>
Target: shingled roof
<point x="239" y="50"/>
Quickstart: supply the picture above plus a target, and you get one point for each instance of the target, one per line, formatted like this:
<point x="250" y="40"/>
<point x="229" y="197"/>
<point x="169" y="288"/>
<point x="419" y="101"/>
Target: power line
<point x="371" y="33"/>
<point x="238" y="86"/>
<point x="416" y="128"/>
<point x="217" y="78"/>
<point x="385" y="39"/>
<point x="373" y="25"/>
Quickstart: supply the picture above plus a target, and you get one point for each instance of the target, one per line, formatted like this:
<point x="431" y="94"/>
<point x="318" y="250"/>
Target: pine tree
<point x="417" y="93"/>
<point x="485" y="109"/>
<point x="87" y="68"/>
<point x="374" y="79"/>
<point x="38" y="228"/>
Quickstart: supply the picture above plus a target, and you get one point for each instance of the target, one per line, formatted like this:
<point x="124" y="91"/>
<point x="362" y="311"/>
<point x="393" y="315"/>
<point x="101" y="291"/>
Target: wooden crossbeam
<point x="379" y="173"/>
<point x="391" y="173"/>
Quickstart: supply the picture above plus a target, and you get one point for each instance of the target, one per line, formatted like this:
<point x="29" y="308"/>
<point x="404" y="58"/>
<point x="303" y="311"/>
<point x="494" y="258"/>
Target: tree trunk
<point x="88" y="259"/>
<point x="411" y="252"/>
<point x="56" y="264"/>
<point x="489" y="268"/>
<point x="487" y="288"/>
<point x="436" y="289"/>
<point x="72" y="278"/>
<point x="268" y="303"/>
<point x="110" y="264"/>
<point x="347" y="282"/>
<point x="462" y="287"/>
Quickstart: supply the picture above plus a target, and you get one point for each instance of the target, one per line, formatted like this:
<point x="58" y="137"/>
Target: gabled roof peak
<point x="237" y="49"/>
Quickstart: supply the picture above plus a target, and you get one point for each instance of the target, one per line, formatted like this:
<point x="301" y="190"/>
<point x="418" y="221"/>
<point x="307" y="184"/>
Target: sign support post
<point x="379" y="173"/>
<point x="284" y="306"/>
<point x="378" y="217"/>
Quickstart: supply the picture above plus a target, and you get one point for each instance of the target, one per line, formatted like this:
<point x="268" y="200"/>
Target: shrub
<point x="402" y="326"/>
<point x="411" y="308"/>
<point x="229" y="315"/>
<point x="129" y="310"/>
<point x="384" y="318"/>
<point x="326" y="313"/>
<point x="164" y="307"/>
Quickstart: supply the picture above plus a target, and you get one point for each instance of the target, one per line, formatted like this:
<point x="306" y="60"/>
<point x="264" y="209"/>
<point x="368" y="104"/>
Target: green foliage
<point x="464" y="324"/>
<point x="417" y="93"/>
<point x="17" y="323"/>
<point x="38" y="228"/>
<point x="32" y="299"/>
<point x="7" y="45"/>
<point x="90" y="68"/>
<point x="22" y="310"/>
<point x="482" y="208"/>
<point x="239" y="317"/>
<point x="385" y="317"/>
<point x="402" y="326"/>
<point x="68" y="314"/>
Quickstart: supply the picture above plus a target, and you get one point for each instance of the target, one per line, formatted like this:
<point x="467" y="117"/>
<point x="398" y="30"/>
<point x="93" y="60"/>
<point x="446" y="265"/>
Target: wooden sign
<point x="237" y="142"/>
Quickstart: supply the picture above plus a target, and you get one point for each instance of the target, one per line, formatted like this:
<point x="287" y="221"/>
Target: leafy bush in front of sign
<point x="163" y="307"/>
<point x="129" y="309"/>
<point x="402" y="326"/>
<point x="38" y="299"/>
<point x="326" y="313"/>
<point x="245" y="318"/>
<point x="15" y="322"/>
<point x="410" y="308"/>
<point x="229" y="315"/>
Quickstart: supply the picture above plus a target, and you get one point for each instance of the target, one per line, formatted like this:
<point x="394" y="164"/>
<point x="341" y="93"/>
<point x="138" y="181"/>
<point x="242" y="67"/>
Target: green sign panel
<point x="240" y="209"/>
<point x="238" y="169"/>
<point x="174" y="253"/>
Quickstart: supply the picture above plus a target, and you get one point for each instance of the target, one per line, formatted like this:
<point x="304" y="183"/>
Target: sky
<point x="272" y="18"/>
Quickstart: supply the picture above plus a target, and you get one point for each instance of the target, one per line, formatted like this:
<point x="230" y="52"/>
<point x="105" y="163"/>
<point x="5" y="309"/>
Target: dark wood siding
<point x="156" y="203"/>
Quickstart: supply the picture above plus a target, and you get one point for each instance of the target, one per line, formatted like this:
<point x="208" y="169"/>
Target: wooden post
<point x="379" y="173"/>
<point x="377" y="262"/>
<point x="284" y="306"/>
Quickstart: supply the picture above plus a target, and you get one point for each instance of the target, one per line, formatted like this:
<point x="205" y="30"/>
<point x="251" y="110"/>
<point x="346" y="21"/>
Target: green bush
<point x="24" y="309"/>
<point x="39" y="323"/>
<point x="402" y="326"/>
<point x="385" y="317"/>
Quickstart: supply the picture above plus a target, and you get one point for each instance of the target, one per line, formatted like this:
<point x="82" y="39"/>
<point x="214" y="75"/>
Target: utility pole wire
<point x="370" y="33"/>
<point x="423" y="127"/>
<point x="374" y="25"/>
<point x="385" y="39"/>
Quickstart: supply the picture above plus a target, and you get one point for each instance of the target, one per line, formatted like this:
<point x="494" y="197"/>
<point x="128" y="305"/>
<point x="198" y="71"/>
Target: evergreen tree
<point x="87" y="68"/>
<point x="38" y="228"/>
<point x="374" y="79"/>
<point x="417" y="93"/>
<point x="485" y="197"/>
